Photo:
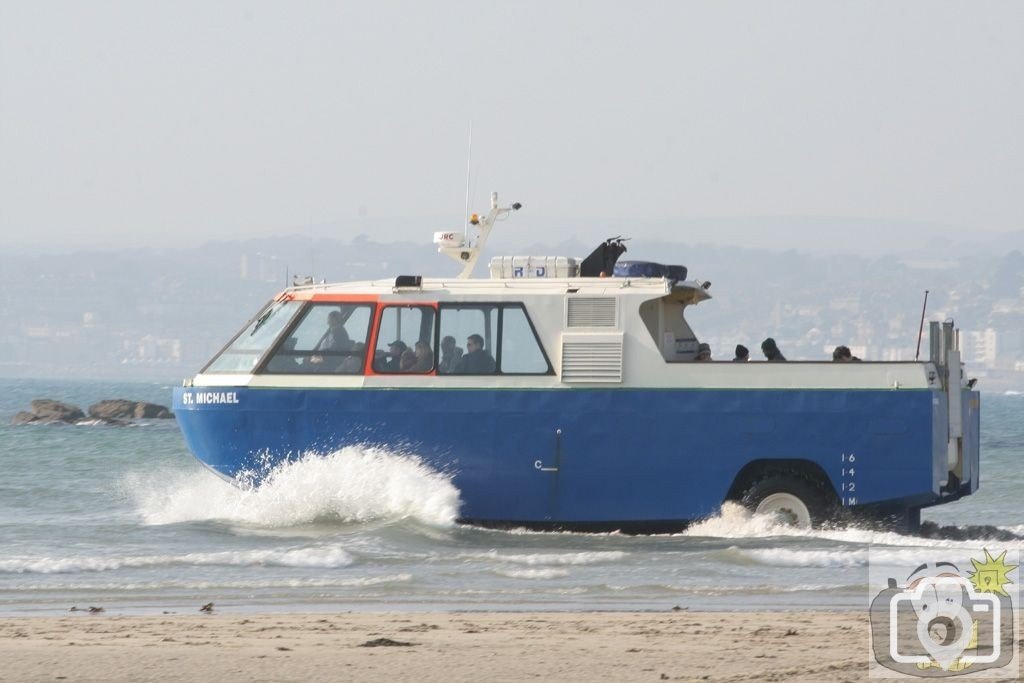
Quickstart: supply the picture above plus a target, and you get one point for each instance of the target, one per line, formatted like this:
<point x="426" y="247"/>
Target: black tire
<point x="771" y="490"/>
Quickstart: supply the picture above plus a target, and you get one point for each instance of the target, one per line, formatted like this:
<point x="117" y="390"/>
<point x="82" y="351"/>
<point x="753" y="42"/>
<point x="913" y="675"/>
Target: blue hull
<point x="579" y="457"/>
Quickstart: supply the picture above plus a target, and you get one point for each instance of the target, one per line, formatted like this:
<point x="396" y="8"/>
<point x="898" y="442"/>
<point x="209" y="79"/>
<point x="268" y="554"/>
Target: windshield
<point x="330" y="338"/>
<point x="245" y="351"/>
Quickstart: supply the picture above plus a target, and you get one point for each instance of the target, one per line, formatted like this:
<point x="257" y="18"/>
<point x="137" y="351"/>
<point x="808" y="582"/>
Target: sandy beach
<point x="680" y="645"/>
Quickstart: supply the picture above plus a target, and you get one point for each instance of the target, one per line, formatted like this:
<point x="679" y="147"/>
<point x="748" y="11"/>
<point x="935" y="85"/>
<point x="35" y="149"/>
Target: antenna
<point x="460" y="247"/>
<point x="469" y="162"/>
<point x="920" y="328"/>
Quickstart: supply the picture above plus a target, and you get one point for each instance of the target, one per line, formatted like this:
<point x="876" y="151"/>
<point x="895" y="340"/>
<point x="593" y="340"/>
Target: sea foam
<point x="326" y="557"/>
<point x="543" y="559"/>
<point x="532" y="573"/>
<point x="735" y="521"/>
<point x="353" y="484"/>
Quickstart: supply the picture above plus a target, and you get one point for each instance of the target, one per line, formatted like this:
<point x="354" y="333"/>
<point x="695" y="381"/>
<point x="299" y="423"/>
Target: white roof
<point x="608" y="286"/>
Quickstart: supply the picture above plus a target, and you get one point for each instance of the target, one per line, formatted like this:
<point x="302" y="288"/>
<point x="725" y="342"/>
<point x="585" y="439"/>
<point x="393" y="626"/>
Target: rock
<point x="118" y="410"/>
<point x="122" y="409"/>
<point x="114" y="412"/>
<point x="113" y="409"/>
<point x="967" y="532"/>
<point x="48" y="410"/>
<point x="24" y="418"/>
<point x="151" y="411"/>
<point x="386" y="642"/>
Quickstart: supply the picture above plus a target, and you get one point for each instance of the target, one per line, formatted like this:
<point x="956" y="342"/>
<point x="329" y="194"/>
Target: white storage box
<point x="505" y="267"/>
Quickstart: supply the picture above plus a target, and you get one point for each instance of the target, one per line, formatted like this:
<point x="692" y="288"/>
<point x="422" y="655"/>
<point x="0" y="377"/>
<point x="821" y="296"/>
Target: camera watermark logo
<point x="943" y="613"/>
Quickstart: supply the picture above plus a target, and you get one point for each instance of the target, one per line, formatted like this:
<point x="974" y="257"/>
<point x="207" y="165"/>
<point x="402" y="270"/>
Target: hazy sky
<point x="171" y="123"/>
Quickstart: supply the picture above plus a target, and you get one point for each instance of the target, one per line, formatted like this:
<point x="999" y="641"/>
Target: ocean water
<point x="124" y="519"/>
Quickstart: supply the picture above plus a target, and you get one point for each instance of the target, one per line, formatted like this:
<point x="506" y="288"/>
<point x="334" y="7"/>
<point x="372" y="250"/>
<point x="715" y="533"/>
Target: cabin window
<point x="405" y="340"/>
<point x="246" y="349"/>
<point x="330" y="338"/>
<point x="468" y="337"/>
<point x="486" y="339"/>
<point x="520" y="351"/>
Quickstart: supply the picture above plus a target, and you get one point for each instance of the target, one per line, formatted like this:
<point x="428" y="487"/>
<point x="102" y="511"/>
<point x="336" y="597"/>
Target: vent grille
<point x="591" y="311"/>
<point x="592" y="358"/>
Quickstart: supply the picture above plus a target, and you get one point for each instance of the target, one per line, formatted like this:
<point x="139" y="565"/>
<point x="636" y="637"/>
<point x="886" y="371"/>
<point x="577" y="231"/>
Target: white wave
<point x="355" y="582"/>
<point x="369" y="581"/>
<point x="316" y="557"/>
<point x="722" y="589"/>
<point x="354" y="484"/>
<point x="837" y="558"/>
<point x="735" y="521"/>
<point x="782" y="557"/>
<point x="548" y="533"/>
<point x="522" y="595"/>
<point x="532" y="573"/>
<point x="90" y="423"/>
<point x="557" y="559"/>
<point x="768" y="590"/>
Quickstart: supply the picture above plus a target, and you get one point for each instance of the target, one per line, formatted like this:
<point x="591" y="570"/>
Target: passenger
<point x="407" y="361"/>
<point x="771" y="350"/>
<point x="424" y="357"/>
<point x="703" y="352"/>
<point x="742" y="354"/>
<point x="476" y="361"/>
<point x="353" y="362"/>
<point x="334" y="340"/>
<point x="450" y="355"/>
<point x="842" y="354"/>
<point x="392" y="360"/>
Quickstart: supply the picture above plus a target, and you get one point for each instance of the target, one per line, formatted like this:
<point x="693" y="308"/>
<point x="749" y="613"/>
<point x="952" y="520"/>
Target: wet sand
<point x="613" y="646"/>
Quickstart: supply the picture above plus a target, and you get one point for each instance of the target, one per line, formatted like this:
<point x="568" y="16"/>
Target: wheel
<point x="791" y="498"/>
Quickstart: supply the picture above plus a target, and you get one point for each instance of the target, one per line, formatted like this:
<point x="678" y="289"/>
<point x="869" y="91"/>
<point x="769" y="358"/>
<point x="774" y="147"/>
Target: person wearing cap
<point x="392" y="361"/>
<point x="703" y="352"/>
<point x="742" y="354"/>
<point x="771" y="350"/>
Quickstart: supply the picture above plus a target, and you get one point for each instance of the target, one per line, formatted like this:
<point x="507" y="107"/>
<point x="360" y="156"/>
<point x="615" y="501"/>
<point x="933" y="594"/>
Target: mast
<point x="459" y="247"/>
